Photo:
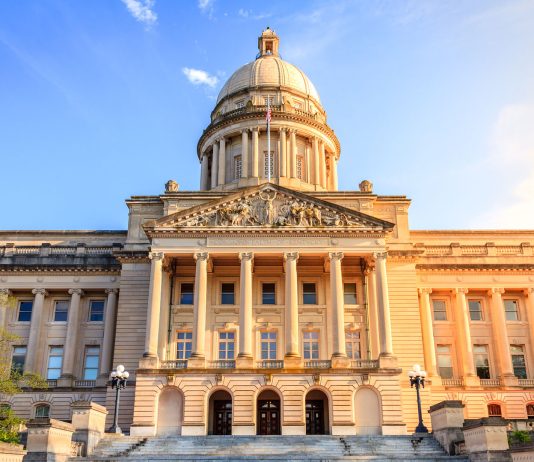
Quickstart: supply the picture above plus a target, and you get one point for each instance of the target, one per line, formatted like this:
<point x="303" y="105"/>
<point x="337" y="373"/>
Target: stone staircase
<point x="267" y="448"/>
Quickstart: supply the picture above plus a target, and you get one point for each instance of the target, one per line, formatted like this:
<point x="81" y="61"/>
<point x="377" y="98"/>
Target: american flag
<point x="268" y="117"/>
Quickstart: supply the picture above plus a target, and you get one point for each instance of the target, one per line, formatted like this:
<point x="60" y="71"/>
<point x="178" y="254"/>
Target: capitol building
<point x="269" y="302"/>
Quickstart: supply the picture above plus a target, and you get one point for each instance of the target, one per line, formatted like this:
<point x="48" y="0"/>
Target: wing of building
<point x="271" y="307"/>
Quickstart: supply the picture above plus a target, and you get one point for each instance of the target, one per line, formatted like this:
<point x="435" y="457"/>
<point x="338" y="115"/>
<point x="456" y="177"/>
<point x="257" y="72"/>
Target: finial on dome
<point x="268" y="43"/>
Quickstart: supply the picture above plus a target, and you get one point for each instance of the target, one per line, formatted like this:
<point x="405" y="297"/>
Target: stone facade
<point x="271" y="305"/>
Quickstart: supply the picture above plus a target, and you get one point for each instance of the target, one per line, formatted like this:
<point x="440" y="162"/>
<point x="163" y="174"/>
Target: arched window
<point x="42" y="410"/>
<point x="494" y="410"/>
<point x="530" y="411"/>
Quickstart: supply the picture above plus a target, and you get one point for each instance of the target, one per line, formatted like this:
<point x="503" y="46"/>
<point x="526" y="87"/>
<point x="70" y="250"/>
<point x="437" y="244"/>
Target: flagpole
<point x="268" y="139"/>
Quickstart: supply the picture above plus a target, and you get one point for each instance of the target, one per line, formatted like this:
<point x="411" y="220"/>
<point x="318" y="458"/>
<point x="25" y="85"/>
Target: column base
<point x="65" y="382"/>
<point x="471" y="381"/>
<point x="102" y="380"/>
<point x="387" y="361"/>
<point x="509" y="381"/>
<point x="196" y="363"/>
<point x="244" y="362"/>
<point x="340" y="362"/>
<point x="149" y="362"/>
<point x="293" y="362"/>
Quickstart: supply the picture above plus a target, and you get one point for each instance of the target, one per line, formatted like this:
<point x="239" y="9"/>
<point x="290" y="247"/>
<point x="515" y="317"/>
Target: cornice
<point x="527" y="267"/>
<point x="171" y="233"/>
<point x="132" y="256"/>
<point x="66" y="270"/>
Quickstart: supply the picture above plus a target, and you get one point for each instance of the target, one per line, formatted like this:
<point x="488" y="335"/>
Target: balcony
<point x="51" y="383"/>
<point x="174" y="364"/>
<point x="364" y="364"/>
<point x="453" y="382"/>
<point x="222" y="364"/>
<point x="318" y="364"/>
<point x="490" y="383"/>
<point x="270" y="364"/>
<point x="84" y="383"/>
<point x="528" y="383"/>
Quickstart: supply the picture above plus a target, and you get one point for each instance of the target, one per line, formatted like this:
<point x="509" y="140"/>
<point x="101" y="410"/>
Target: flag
<point x="268" y="117"/>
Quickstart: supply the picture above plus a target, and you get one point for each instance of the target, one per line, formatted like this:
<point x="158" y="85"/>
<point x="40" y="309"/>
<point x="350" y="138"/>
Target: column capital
<point x="5" y="292"/>
<point x="282" y="129"/>
<point x="460" y="290"/>
<point x="529" y="291"/>
<point x="255" y="129"/>
<point x="496" y="290"/>
<point x="246" y="255"/>
<point x="40" y="292"/>
<point x="221" y="139"/>
<point x="112" y="291"/>
<point x="291" y="256"/>
<point x="244" y="130"/>
<point x="202" y="256"/>
<point x="380" y="255"/>
<point x="76" y="292"/>
<point x="156" y="256"/>
<point x="424" y="290"/>
<point x="336" y="255"/>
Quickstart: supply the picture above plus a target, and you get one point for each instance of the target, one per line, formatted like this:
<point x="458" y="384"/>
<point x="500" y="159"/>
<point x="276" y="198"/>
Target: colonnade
<point x="379" y="314"/>
<point x="464" y="342"/>
<point x="316" y="159"/>
<point x="70" y="346"/>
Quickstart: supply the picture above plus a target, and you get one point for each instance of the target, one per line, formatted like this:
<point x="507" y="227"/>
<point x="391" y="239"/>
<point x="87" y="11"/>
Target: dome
<point x="269" y="71"/>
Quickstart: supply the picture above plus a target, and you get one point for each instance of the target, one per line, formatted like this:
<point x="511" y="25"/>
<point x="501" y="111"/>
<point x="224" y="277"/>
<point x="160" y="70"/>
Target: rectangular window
<point x="237" y="167"/>
<point x="186" y="293"/>
<point x="518" y="361"/>
<point x="511" y="309"/>
<point x="270" y="99"/>
<point x="268" y="345"/>
<point x="349" y="293"/>
<point x="184" y="344"/>
<point x="25" y="310"/>
<point x="475" y="310"/>
<point x="55" y="362"/>
<point x="352" y="344"/>
<point x="18" y="359"/>
<point x="440" y="310"/>
<point x="309" y="293"/>
<point x="61" y="311"/>
<point x="297" y="104"/>
<point x="92" y="359"/>
<point x="240" y="104"/>
<point x="268" y="293"/>
<point x="227" y="294"/>
<point x="96" y="310"/>
<point x="311" y="345"/>
<point x="268" y="161"/>
<point x="300" y="167"/>
<point x="443" y="353"/>
<point x="482" y="361"/>
<point x="226" y="345"/>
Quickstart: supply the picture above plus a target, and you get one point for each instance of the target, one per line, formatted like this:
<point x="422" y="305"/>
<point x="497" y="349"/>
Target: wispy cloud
<point x="249" y="14"/>
<point x="142" y="11"/>
<point x="512" y="160"/>
<point x="200" y="77"/>
<point x="206" y="7"/>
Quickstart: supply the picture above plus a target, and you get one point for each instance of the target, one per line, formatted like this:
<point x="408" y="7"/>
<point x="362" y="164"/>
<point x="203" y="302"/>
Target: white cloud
<point x="206" y="6"/>
<point x="249" y="14"/>
<point x="142" y="11"/>
<point x="200" y="77"/>
<point x="513" y="162"/>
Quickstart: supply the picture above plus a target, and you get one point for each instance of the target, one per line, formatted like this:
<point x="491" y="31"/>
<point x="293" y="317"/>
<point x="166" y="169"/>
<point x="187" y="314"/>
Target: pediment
<point x="268" y="207"/>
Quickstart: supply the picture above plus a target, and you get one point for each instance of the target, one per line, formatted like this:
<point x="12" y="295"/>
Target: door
<point x="315" y="417"/>
<point x="269" y="417"/>
<point x="223" y="417"/>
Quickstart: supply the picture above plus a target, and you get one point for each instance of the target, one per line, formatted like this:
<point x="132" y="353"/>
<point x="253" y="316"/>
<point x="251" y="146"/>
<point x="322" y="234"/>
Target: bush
<point x="9" y="426"/>
<point x="519" y="436"/>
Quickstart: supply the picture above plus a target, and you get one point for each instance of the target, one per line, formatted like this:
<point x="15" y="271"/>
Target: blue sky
<point x="104" y="99"/>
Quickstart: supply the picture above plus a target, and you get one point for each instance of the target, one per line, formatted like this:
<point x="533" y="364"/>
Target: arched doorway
<point x="220" y="413"/>
<point x="269" y="413"/>
<point x="170" y="412"/>
<point x="368" y="412"/>
<point x="317" y="413"/>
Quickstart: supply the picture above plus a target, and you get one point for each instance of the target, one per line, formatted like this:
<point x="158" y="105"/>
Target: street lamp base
<point x="421" y="428"/>
<point x="115" y="429"/>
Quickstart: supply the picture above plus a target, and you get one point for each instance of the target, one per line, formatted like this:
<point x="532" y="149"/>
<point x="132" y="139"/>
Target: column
<point x="245" y="302"/>
<point x="293" y="155"/>
<point x="333" y="170"/>
<point x="384" y="317"/>
<point x="200" y="299"/>
<point x="316" y="164"/>
<point x="292" y="305"/>
<point x="71" y="348"/>
<point x="529" y="306"/>
<point x="222" y="162"/>
<point x="4" y="294"/>
<point x="255" y="154"/>
<point x="283" y="153"/>
<point x="427" y="327"/>
<point x="154" y="305"/>
<point x="338" y="305"/>
<point x="204" y="172"/>
<point x="244" y="153"/>
<point x="322" y="163"/>
<point x="109" y="332"/>
<point x="370" y="272"/>
<point x="35" y="330"/>
<point x="463" y="333"/>
<point x="214" y="165"/>
<point x="500" y="333"/>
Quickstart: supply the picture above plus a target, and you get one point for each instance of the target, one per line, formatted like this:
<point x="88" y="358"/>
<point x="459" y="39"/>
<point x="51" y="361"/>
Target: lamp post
<point x="417" y="378"/>
<point x="118" y="381"/>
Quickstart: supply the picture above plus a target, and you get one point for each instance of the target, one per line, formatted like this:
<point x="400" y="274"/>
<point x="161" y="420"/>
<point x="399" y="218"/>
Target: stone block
<point x="11" y="452"/>
<point x="49" y="440"/>
<point x="89" y="422"/>
<point x="486" y="439"/>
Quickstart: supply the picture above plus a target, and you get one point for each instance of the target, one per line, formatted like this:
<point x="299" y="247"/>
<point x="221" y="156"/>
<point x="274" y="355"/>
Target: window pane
<point x="227" y="294"/>
<point x="349" y="293"/>
<point x="511" y="310"/>
<point x="25" y="311"/>
<point x="518" y="361"/>
<point x="96" y="310"/>
<point x="268" y="294"/>
<point x="440" y="310"/>
<point x="475" y="310"/>
<point x="186" y="293"/>
<point x="482" y="361"/>
<point x="309" y="296"/>
<point x="18" y="359"/>
<point x="61" y="311"/>
<point x="42" y="411"/>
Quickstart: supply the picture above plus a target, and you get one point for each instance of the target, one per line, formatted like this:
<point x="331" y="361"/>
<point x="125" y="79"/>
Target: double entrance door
<point x="222" y="424"/>
<point x="315" y="417"/>
<point x="269" y="417"/>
